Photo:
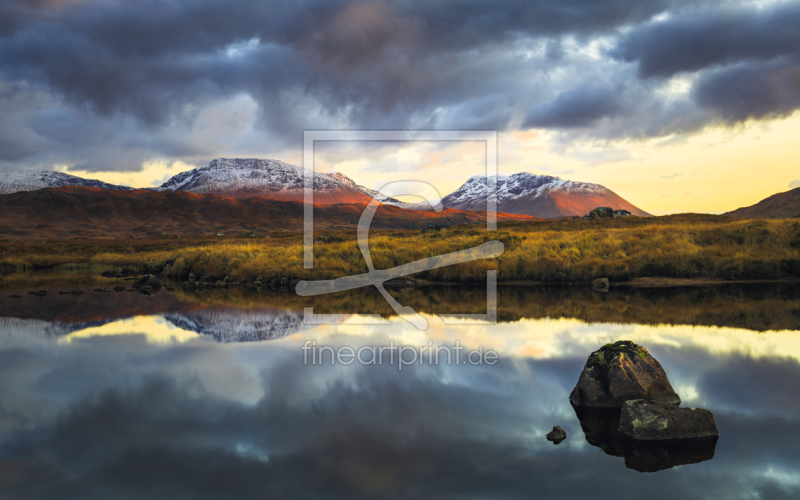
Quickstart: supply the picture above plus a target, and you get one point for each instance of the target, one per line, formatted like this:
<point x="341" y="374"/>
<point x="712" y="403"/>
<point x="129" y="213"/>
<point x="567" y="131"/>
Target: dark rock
<point x="40" y="293"/>
<point x="601" y="213"/>
<point x="620" y="213"/>
<point x="220" y="284"/>
<point x="15" y="296"/>
<point x="327" y="238"/>
<point x="432" y="228"/>
<point x="64" y="293"/>
<point x="284" y="281"/>
<point x="148" y="280"/>
<point x="109" y="273"/>
<point x="621" y="372"/>
<point x="601" y="428"/>
<point x="556" y="435"/>
<point x="252" y="234"/>
<point x="256" y="284"/>
<point x="99" y="289"/>
<point x="192" y="277"/>
<point x="127" y="271"/>
<point x="601" y="284"/>
<point x="653" y="456"/>
<point x="146" y="289"/>
<point x="78" y="291"/>
<point x="119" y="288"/>
<point x="651" y="420"/>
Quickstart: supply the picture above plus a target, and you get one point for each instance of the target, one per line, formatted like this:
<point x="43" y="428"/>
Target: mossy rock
<point x="621" y="372"/>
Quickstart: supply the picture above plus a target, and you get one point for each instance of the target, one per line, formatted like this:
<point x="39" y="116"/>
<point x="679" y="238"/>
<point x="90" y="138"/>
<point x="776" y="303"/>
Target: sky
<point x="676" y="105"/>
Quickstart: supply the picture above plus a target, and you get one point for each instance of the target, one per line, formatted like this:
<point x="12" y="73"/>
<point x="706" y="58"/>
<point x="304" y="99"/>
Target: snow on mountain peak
<point x="22" y="180"/>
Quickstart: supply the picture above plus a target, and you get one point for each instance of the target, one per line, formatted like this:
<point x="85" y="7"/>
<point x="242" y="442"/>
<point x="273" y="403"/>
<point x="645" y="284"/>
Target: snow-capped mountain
<point x="367" y="191"/>
<point x="21" y="180"/>
<point x="538" y="195"/>
<point x="248" y="177"/>
<point x="227" y="324"/>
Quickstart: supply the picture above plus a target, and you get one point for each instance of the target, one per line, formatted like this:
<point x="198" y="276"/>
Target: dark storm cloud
<point x="744" y="91"/>
<point x="695" y="41"/>
<point x="134" y="79"/>
<point x="576" y="108"/>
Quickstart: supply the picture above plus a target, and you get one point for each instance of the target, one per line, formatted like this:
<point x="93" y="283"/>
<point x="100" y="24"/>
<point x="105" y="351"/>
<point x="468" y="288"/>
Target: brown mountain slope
<point x="91" y="212"/>
<point x="778" y="206"/>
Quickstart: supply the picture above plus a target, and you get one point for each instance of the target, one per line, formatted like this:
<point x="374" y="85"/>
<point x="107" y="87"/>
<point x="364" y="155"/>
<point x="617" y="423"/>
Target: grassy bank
<point x="681" y="246"/>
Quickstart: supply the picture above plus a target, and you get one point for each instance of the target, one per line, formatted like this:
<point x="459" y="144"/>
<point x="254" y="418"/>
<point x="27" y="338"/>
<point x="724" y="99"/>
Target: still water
<point x="206" y="395"/>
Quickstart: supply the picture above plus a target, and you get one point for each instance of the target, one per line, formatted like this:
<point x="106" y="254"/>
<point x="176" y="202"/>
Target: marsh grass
<point x="679" y="246"/>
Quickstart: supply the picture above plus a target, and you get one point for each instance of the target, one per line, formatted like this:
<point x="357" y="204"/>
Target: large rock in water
<point x="651" y="420"/>
<point x="621" y="372"/>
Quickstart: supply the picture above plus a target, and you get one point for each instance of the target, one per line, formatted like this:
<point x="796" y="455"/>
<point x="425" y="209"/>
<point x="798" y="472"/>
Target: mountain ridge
<point x="778" y="206"/>
<point x="14" y="181"/>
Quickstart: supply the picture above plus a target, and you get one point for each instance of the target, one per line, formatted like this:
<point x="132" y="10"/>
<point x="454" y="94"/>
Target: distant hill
<point x="92" y="212"/>
<point x="777" y="206"/>
<point x="538" y="195"/>
<point x="21" y="180"/>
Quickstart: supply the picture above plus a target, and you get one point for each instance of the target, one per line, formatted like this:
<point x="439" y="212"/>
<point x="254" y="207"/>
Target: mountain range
<point x="241" y="178"/>
<point x="76" y="211"/>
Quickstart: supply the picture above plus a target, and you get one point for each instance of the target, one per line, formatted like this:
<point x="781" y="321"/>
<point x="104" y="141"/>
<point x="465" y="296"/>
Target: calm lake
<point x="208" y="395"/>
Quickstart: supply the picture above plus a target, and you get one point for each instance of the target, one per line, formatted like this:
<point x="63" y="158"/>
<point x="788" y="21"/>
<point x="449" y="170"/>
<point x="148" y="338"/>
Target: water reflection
<point x="155" y="406"/>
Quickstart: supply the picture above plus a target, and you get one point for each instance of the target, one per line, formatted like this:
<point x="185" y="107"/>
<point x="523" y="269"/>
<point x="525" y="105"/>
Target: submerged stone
<point x="651" y="420"/>
<point x="556" y="435"/>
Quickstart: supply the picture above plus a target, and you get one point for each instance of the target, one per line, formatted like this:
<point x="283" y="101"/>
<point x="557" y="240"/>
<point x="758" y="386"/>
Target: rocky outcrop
<point x="651" y="420"/>
<point x="601" y="428"/>
<point x="606" y="213"/>
<point x="556" y="435"/>
<point x="148" y="280"/>
<point x="601" y="284"/>
<point x="621" y="372"/>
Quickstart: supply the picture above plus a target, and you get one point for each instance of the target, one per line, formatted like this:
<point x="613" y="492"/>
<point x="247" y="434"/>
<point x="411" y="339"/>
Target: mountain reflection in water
<point x="155" y="404"/>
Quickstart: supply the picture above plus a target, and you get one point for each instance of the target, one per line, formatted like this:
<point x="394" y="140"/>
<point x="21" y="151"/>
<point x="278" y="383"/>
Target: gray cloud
<point x="109" y="85"/>
<point x="794" y="184"/>
<point x="709" y="38"/>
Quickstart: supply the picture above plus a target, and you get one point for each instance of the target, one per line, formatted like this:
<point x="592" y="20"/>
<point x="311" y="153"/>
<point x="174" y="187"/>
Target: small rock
<point x="148" y="280"/>
<point x="146" y="289"/>
<point x="621" y="213"/>
<point x="109" y="272"/>
<point x="252" y="234"/>
<point x="284" y="281"/>
<point x="15" y="296"/>
<point x="556" y="435"/>
<point x="78" y="291"/>
<point x="127" y="271"/>
<point x="99" y="289"/>
<point x="651" y="420"/>
<point x="220" y="233"/>
<point x="257" y="284"/>
<point x="119" y="288"/>
<point x="40" y="293"/>
<point x="192" y="277"/>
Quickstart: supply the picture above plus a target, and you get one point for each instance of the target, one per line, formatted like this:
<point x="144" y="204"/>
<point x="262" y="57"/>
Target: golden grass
<point x="684" y="246"/>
